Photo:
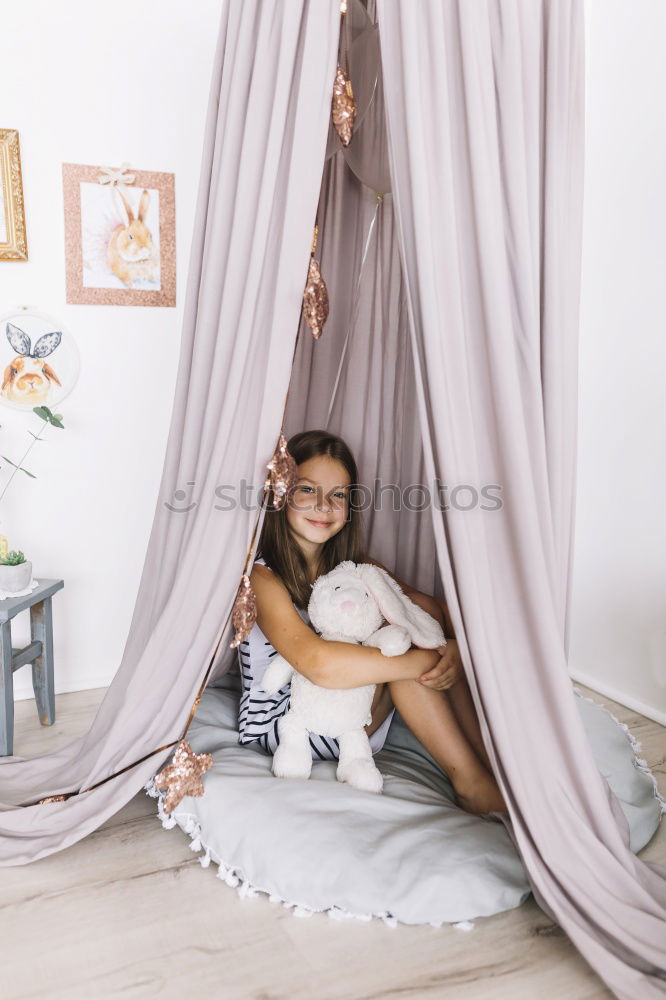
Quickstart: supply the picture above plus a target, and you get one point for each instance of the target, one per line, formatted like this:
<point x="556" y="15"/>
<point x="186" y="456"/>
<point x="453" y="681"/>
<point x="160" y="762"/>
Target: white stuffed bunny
<point x="349" y="604"/>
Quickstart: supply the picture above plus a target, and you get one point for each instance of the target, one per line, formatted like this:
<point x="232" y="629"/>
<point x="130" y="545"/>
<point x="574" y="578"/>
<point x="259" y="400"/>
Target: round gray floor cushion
<point x="408" y="855"/>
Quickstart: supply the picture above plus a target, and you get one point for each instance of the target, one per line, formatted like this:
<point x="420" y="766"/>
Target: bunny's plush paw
<point x="362" y="774"/>
<point x="291" y="761"/>
<point x="394" y="640"/>
<point x="271" y="683"/>
<point x="276" y="675"/>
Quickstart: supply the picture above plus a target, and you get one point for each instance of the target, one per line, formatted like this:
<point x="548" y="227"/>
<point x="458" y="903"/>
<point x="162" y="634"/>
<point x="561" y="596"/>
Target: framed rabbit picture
<point x="120" y="236"/>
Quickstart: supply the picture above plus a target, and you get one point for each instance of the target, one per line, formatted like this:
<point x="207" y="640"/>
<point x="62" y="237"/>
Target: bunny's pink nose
<point x="348" y="606"/>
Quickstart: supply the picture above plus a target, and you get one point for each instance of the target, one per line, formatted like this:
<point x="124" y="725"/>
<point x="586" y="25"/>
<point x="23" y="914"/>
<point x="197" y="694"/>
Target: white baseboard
<point x="642" y="707"/>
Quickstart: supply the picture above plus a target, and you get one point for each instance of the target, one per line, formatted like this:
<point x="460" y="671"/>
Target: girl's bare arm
<point x="329" y="664"/>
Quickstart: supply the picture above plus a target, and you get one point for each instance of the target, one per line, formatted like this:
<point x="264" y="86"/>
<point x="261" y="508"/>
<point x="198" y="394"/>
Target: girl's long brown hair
<point x="277" y="545"/>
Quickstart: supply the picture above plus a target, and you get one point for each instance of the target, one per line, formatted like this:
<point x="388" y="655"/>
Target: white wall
<point x="100" y="87"/>
<point x="619" y="599"/>
<point x="89" y="83"/>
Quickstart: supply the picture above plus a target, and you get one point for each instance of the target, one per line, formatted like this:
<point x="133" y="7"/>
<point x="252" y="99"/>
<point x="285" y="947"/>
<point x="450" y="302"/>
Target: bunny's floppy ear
<point x="399" y="610"/>
<point x="19" y="340"/>
<point x="47" y="344"/>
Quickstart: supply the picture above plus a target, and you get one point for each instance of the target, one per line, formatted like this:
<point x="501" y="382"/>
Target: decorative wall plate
<point x="39" y="360"/>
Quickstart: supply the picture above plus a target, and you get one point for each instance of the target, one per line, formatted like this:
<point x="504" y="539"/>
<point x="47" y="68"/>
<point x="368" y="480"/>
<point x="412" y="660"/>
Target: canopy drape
<point x="262" y="161"/>
<point x="461" y="370"/>
<point x="485" y="119"/>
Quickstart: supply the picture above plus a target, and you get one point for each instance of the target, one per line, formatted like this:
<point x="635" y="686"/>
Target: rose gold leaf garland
<point x="315" y="296"/>
<point x="183" y="776"/>
<point x="281" y="479"/>
<point x="244" y="614"/>
<point x="282" y="473"/>
<point x="343" y="106"/>
<point x="315" y="300"/>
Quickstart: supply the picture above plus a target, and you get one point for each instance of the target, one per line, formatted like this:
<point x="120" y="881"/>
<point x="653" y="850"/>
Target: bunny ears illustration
<point x="20" y="341"/>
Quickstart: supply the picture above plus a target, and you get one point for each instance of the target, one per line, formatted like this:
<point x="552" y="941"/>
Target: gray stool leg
<point x="6" y="691"/>
<point x="41" y="628"/>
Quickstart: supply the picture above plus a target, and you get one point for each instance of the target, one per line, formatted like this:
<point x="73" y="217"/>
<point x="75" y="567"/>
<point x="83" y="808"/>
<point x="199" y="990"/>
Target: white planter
<point x="14" y="579"/>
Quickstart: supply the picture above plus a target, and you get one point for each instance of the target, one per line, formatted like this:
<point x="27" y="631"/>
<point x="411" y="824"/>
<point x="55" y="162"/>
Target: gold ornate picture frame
<point x="13" y="241"/>
<point x="120" y="236"/>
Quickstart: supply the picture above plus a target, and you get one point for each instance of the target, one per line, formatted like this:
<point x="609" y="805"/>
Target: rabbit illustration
<point x="349" y="604"/>
<point x="131" y="253"/>
<point x="28" y="378"/>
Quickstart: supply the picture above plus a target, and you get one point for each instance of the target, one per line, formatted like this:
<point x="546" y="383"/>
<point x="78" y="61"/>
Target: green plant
<point x="55" y="420"/>
<point x="12" y="558"/>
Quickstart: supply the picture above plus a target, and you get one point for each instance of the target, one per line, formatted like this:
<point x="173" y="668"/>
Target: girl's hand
<point x="448" y="671"/>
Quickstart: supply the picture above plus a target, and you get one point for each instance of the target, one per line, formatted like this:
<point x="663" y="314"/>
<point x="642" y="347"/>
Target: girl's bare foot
<point x="480" y="795"/>
<point x="430" y="716"/>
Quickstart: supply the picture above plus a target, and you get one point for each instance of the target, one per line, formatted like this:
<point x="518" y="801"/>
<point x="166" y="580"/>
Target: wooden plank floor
<point x="128" y="911"/>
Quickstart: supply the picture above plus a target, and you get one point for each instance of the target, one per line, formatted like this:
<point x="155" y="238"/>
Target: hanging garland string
<point x="379" y="200"/>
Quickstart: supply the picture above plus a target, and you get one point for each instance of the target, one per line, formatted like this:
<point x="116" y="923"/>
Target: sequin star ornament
<point x="315" y="296"/>
<point x="244" y="614"/>
<point x="282" y="473"/>
<point x="343" y="106"/>
<point x="183" y="776"/>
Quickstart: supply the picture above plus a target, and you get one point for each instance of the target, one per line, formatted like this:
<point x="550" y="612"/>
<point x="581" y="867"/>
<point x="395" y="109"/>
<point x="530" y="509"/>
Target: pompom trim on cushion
<point x="235" y="878"/>
<point x="639" y="763"/>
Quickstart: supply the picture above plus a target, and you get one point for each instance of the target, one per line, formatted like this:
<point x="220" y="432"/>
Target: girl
<point x="317" y="529"/>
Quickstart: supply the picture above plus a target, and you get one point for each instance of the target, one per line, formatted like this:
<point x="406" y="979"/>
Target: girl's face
<point x="319" y="504"/>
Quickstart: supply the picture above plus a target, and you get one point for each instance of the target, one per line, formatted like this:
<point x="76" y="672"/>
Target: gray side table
<point x="39" y="652"/>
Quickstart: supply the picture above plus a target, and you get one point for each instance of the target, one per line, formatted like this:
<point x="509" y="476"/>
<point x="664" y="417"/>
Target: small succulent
<point x="13" y="558"/>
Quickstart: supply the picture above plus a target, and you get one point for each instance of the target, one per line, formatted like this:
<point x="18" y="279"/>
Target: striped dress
<point x="259" y="711"/>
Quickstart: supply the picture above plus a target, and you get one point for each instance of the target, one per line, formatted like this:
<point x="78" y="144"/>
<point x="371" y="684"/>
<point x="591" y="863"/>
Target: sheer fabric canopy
<point x="460" y="368"/>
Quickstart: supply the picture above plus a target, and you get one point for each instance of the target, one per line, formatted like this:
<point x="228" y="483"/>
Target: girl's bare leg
<point x="460" y="696"/>
<point x="431" y="718"/>
<point x="382" y="703"/>
<point x="462" y="703"/>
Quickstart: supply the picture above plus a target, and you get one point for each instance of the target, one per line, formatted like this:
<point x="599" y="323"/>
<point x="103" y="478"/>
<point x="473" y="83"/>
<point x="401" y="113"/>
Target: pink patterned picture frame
<point x="120" y="238"/>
